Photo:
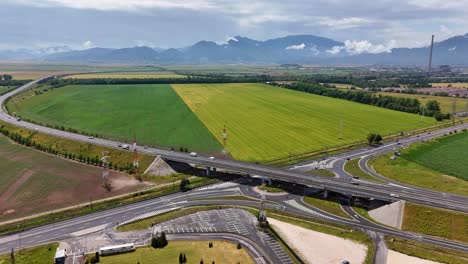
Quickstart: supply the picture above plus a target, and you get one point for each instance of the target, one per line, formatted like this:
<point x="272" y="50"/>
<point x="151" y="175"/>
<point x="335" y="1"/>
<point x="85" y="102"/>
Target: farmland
<point x="439" y="165"/>
<point x="155" y="113"/>
<point x="446" y="155"/>
<point x="446" y="103"/>
<point x="455" y="85"/>
<point x="125" y="75"/>
<point x="265" y="123"/>
<point x="32" y="182"/>
<point x="437" y="222"/>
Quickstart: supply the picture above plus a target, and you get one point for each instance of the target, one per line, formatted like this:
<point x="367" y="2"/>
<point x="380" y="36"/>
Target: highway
<point x="291" y="204"/>
<point x="382" y="191"/>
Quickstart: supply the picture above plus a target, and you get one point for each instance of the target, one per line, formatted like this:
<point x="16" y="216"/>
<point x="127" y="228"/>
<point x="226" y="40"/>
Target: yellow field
<point x="343" y="86"/>
<point x="445" y="102"/>
<point x="136" y="75"/>
<point x="454" y="85"/>
<point x="266" y="123"/>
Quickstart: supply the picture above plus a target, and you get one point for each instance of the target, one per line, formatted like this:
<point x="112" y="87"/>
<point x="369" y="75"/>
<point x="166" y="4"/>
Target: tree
<point x="97" y="256"/>
<point x="439" y="116"/>
<point x="201" y="261"/>
<point x="239" y="246"/>
<point x="432" y="108"/>
<point x="163" y="239"/>
<point x="183" y="184"/>
<point x="185" y="258"/>
<point x="371" y="138"/>
<point x="181" y="258"/>
<point x="378" y="138"/>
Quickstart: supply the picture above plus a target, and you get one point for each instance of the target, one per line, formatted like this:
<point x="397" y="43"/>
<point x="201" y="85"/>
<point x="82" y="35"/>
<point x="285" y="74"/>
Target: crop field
<point x="221" y="252"/>
<point x="455" y="85"/>
<point x="265" y="122"/>
<point x="33" y="182"/>
<point x="154" y="113"/>
<point x="129" y="75"/>
<point x="446" y="155"/>
<point x="446" y="103"/>
<point x="436" y="222"/>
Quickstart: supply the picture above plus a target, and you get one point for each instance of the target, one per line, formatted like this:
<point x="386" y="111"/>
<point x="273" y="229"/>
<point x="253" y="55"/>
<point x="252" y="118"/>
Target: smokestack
<point x="430" y="56"/>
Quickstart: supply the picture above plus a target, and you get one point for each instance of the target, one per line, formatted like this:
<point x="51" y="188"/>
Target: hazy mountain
<point x="301" y="49"/>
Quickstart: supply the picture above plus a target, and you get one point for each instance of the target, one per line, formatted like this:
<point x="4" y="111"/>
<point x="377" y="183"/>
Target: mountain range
<point x="299" y="49"/>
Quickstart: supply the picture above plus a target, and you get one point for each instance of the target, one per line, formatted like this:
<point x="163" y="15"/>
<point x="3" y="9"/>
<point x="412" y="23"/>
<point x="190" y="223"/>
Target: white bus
<point x="117" y="249"/>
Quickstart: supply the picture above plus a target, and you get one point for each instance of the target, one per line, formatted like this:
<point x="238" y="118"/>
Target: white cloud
<point x="88" y="44"/>
<point x="129" y="5"/>
<point x="296" y="47"/>
<point x="314" y="50"/>
<point x="344" y="23"/>
<point x="355" y="47"/>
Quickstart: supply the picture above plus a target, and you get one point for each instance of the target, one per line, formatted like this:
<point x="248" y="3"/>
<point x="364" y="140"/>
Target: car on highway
<point x="193" y="154"/>
<point x="393" y="195"/>
<point x="91" y="137"/>
<point x="125" y="146"/>
<point x="211" y="158"/>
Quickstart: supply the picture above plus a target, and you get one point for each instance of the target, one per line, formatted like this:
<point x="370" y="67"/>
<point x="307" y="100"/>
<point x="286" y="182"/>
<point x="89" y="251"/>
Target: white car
<point x="211" y="158"/>
<point x="193" y="154"/>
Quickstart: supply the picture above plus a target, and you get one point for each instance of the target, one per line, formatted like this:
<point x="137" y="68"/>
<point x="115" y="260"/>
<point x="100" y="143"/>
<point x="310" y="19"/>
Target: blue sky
<point x="82" y="24"/>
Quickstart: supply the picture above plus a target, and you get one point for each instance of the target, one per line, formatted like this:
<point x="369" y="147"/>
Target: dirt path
<point x="15" y="186"/>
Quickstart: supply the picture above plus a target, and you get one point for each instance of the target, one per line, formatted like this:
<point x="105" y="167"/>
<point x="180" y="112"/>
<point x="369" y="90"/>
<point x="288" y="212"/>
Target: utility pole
<point x="136" y="164"/>
<point x="430" y="57"/>
<point x="423" y="109"/>
<point x="454" y="109"/>
<point x="340" y="135"/>
<point x="224" y="135"/>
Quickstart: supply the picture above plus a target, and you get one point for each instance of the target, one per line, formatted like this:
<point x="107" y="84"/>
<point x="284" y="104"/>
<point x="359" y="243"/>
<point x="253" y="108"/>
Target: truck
<point x="193" y="154"/>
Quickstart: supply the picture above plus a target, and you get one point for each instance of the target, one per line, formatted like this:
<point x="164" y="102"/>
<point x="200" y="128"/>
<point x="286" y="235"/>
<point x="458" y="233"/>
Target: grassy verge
<point x="436" y="222"/>
<point x="195" y="251"/>
<point x="403" y="170"/>
<point x="271" y="189"/>
<point x="236" y="197"/>
<point x="322" y="172"/>
<point x="119" y="158"/>
<point x="127" y="199"/>
<point x="35" y="255"/>
<point x="352" y="167"/>
<point x="426" y="251"/>
<point x="331" y="204"/>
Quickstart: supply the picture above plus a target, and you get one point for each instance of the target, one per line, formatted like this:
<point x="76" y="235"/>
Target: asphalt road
<point x="65" y="229"/>
<point x="342" y="185"/>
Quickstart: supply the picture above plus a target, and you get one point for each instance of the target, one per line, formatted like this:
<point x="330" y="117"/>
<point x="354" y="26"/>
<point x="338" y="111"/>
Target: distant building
<point x="444" y="68"/>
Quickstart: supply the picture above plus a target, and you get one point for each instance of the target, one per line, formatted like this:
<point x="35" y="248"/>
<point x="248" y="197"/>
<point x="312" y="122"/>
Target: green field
<point x="36" y="255"/>
<point x="136" y="75"/>
<point x="155" y="113"/>
<point x="5" y="89"/>
<point x="440" y="164"/>
<point x="265" y="122"/>
<point x="446" y="103"/>
<point x="446" y="155"/>
<point x="221" y="252"/>
<point x="436" y="222"/>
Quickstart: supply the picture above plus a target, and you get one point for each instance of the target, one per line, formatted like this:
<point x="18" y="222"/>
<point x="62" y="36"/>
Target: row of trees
<point x="409" y="105"/>
<point x="96" y="161"/>
<point x="56" y="83"/>
<point x="396" y="103"/>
